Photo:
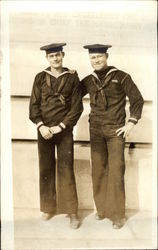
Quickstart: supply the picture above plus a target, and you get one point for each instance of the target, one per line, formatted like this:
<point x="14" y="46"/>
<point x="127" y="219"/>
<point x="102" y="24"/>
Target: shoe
<point x="46" y="216"/>
<point x="99" y="216"/>
<point x="117" y="224"/>
<point x="74" y="221"/>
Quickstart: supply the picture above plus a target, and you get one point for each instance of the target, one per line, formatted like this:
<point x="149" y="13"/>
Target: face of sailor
<point x="98" y="60"/>
<point x="55" y="59"/>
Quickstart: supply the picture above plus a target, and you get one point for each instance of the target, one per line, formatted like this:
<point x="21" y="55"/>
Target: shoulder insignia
<point x="114" y="80"/>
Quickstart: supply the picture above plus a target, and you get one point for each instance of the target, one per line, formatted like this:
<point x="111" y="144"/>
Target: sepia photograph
<point x="78" y="125"/>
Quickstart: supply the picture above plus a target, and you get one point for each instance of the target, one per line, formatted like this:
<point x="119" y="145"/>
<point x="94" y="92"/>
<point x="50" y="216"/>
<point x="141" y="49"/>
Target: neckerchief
<point x="58" y="92"/>
<point x="107" y="78"/>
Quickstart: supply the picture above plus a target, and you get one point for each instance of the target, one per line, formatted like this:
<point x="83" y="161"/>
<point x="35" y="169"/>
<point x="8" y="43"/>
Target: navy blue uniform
<point x="108" y="90"/>
<point x="55" y="100"/>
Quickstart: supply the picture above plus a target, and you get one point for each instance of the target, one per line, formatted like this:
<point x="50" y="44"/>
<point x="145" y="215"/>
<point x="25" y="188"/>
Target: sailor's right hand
<point x="45" y="132"/>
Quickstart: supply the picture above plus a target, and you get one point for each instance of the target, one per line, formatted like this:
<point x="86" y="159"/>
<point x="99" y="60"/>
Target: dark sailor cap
<point x="54" y="47"/>
<point x="97" y="48"/>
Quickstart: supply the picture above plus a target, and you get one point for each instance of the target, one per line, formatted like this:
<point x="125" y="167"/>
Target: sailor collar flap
<point x="107" y="78"/>
<point x="109" y="72"/>
<point x="63" y="73"/>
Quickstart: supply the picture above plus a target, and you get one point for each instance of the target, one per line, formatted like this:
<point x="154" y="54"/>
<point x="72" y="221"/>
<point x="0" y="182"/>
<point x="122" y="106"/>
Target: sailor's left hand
<point x="125" y="130"/>
<point x="55" y="129"/>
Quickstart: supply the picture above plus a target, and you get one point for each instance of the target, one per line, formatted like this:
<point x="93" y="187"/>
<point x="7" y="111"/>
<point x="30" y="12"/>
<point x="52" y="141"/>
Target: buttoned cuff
<point x="133" y="120"/>
<point x="39" y="124"/>
<point x="62" y="125"/>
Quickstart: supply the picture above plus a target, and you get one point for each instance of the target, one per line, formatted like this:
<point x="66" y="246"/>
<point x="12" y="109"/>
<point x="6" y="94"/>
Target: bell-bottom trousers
<point x="56" y="177"/>
<point x="108" y="168"/>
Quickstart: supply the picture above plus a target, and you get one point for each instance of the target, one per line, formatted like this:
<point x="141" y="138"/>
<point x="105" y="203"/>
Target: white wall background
<point x="129" y="26"/>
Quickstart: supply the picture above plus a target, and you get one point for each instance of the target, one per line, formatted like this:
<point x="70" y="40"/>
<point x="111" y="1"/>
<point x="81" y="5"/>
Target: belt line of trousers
<point x="56" y="179"/>
<point x="108" y="169"/>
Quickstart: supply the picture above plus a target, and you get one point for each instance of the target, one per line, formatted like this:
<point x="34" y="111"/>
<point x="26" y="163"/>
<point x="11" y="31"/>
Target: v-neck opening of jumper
<point x="109" y="72"/>
<point x="50" y="73"/>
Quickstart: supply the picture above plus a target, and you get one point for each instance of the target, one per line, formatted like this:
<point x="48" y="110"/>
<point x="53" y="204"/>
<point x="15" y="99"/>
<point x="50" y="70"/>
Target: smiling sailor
<point x="108" y="88"/>
<point x="55" y="107"/>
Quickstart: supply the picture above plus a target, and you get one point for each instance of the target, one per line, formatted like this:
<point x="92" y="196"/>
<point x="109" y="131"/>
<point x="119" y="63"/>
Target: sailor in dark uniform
<point x="55" y="106"/>
<point x="108" y="88"/>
